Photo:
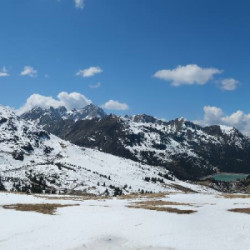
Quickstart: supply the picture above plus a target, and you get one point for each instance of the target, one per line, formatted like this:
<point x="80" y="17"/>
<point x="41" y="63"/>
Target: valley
<point x="124" y="125"/>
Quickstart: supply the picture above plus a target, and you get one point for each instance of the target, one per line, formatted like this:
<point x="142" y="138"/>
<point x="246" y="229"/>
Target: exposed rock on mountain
<point x="55" y="120"/>
<point x="44" y="117"/>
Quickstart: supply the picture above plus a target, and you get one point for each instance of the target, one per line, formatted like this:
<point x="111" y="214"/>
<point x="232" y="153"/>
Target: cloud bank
<point x="187" y="75"/>
<point x="214" y="115"/>
<point x="115" y="105"/>
<point x="69" y="100"/>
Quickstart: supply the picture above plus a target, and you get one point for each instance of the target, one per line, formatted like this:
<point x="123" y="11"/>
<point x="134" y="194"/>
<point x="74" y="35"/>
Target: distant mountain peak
<point x="88" y="112"/>
<point x="45" y="116"/>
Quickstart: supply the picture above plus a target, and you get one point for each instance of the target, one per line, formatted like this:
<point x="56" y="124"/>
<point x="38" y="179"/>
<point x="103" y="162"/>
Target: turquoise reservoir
<point x="229" y="177"/>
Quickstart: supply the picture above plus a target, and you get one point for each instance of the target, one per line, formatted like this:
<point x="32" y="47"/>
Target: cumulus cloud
<point x="91" y="71"/>
<point x="29" y="71"/>
<point x="95" y="86"/>
<point x="215" y="115"/>
<point x="229" y="84"/>
<point x="79" y="4"/>
<point x="187" y="75"/>
<point x="212" y="114"/>
<point x="68" y="100"/>
<point x="4" y="72"/>
<point x="73" y="100"/>
<point x="115" y="105"/>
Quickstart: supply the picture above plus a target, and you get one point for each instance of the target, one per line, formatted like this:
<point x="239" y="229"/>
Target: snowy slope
<point x="32" y="159"/>
<point x="110" y="224"/>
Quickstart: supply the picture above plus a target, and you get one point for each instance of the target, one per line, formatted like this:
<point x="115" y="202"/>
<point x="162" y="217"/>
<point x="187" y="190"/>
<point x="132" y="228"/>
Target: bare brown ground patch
<point x="235" y="196"/>
<point x="161" y="203"/>
<point x="98" y="206"/>
<point x="141" y="196"/>
<point x="39" y="208"/>
<point x="73" y="198"/>
<point x="164" y="209"/>
<point x="181" y="188"/>
<point x="240" y="210"/>
<point x="12" y="192"/>
<point x="240" y="203"/>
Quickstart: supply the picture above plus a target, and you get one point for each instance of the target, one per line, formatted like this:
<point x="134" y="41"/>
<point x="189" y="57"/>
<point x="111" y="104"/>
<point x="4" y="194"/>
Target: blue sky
<point x="130" y="41"/>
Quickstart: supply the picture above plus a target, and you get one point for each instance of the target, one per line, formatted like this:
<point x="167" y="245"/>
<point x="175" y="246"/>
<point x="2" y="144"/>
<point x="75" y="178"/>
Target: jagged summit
<point x="52" y="119"/>
<point x="143" y="118"/>
<point x="88" y="112"/>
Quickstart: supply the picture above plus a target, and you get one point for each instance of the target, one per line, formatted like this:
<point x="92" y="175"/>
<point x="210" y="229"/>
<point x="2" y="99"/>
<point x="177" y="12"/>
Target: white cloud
<point x="69" y="100"/>
<point x="95" y="86"/>
<point x="212" y="114"/>
<point x="4" y="72"/>
<point x="91" y="71"/>
<point x="229" y="84"/>
<point x="188" y="75"/>
<point x="115" y="105"/>
<point x="215" y="115"/>
<point x="29" y="71"/>
<point x="73" y="100"/>
<point x="79" y="4"/>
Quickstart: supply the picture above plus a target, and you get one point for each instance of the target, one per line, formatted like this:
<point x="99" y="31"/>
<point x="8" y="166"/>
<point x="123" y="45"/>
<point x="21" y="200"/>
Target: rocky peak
<point x="44" y="116"/>
<point x="88" y="112"/>
<point x="144" y="118"/>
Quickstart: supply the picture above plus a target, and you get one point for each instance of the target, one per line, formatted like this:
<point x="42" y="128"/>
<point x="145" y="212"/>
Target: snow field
<point x="110" y="224"/>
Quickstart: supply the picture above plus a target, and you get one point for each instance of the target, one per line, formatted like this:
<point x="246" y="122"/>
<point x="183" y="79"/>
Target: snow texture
<point x="110" y="224"/>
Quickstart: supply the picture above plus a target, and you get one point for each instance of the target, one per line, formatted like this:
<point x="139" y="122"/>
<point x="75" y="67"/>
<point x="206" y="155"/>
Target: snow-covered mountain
<point x="32" y="159"/>
<point x="187" y="149"/>
<point x="55" y="120"/>
<point x="46" y="116"/>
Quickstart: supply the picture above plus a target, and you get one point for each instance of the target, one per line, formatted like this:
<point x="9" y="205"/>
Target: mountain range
<point x="186" y="149"/>
<point x="34" y="160"/>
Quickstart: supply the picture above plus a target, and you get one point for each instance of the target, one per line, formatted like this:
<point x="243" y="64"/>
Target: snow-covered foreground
<point x="110" y="224"/>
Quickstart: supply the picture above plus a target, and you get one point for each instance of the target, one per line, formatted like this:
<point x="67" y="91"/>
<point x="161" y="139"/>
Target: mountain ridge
<point x="188" y="149"/>
<point x="34" y="160"/>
